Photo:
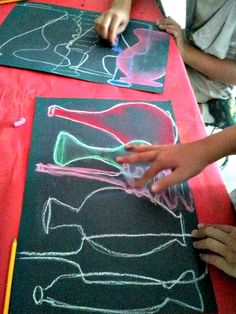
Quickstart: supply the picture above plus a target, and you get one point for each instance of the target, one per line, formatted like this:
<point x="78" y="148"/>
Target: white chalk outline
<point x="84" y="48"/>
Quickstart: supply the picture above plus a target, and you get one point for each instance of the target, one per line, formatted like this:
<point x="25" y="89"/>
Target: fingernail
<point x="200" y="226"/>
<point x="202" y="257"/>
<point x="133" y="185"/>
<point x="154" y="189"/>
<point x="195" y="244"/>
<point x="128" y="147"/>
<point x="194" y="233"/>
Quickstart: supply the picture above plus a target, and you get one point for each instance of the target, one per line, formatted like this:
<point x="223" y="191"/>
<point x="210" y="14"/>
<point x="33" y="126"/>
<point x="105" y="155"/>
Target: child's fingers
<point x="165" y="26"/>
<point x="174" y="178"/>
<point x="148" y="175"/>
<point x="113" y="29"/>
<point x="211" y="233"/>
<point x="102" y="26"/>
<point x="122" y="27"/>
<point x="166" y="22"/>
<point x="217" y="261"/>
<point x="170" y="28"/>
<point x="141" y="148"/>
<point x="225" y="228"/>
<point x="137" y="158"/>
<point x="210" y="244"/>
<point x="173" y="32"/>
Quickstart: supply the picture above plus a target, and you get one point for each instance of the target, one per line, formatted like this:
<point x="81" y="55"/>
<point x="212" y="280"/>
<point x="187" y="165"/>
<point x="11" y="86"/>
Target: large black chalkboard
<point x="63" y="41"/>
<point x="90" y="244"/>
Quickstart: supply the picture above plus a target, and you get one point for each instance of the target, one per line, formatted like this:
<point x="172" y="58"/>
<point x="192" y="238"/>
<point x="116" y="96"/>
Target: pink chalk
<point x="19" y="122"/>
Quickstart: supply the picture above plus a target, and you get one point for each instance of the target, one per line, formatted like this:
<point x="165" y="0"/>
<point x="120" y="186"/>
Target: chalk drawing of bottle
<point x="123" y="258"/>
<point x="68" y="149"/>
<point x="114" y="265"/>
<point x="76" y="51"/>
<point x="145" y="62"/>
<point x="122" y="122"/>
<point x="108" y="232"/>
<point x="104" y="296"/>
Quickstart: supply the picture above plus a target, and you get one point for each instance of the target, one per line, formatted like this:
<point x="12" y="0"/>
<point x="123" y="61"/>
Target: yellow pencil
<point x="9" y="1"/>
<point x="10" y="277"/>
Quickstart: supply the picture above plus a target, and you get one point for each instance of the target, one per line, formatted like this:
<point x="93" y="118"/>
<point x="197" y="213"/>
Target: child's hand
<point x="173" y="28"/>
<point x="111" y="23"/>
<point x="221" y="241"/>
<point x="185" y="160"/>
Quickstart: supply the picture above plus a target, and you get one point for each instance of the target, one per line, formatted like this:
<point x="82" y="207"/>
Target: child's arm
<point x="212" y="67"/>
<point x="114" y="21"/>
<point x="185" y="160"/>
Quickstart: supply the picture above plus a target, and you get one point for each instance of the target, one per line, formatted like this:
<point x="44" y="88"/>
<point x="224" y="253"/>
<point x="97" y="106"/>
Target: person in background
<point x="185" y="161"/>
<point x="207" y="46"/>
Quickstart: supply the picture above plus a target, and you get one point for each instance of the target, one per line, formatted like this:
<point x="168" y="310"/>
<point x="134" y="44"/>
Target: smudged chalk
<point x="19" y="122"/>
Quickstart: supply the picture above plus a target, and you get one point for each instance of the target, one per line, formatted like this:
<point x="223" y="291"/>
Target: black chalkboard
<point x="63" y="41"/>
<point x="88" y="243"/>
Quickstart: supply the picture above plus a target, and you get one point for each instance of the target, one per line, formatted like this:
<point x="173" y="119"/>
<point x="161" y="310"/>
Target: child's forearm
<point x="214" y="68"/>
<point x="220" y="144"/>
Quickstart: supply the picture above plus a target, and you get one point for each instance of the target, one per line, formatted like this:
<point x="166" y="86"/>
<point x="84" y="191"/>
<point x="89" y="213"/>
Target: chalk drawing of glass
<point x="143" y="63"/>
<point x="106" y="297"/>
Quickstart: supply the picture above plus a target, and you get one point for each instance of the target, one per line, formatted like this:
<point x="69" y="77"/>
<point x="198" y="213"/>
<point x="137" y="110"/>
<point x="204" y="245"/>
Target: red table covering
<point x="18" y="91"/>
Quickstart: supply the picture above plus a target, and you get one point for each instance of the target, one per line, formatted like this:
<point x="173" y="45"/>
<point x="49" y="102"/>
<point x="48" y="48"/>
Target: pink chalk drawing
<point x="167" y="200"/>
<point x="143" y="63"/>
<point x="118" y="121"/>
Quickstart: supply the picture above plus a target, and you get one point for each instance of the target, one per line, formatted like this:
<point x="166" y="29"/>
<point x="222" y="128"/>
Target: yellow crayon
<point x="10" y="277"/>
<point x="9" y="1"/>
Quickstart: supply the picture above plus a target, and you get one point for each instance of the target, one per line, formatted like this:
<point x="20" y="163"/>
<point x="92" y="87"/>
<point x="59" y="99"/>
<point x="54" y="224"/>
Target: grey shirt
<point x="211" y="27"/>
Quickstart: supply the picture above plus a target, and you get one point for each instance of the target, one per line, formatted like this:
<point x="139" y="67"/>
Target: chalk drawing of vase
<point x="104" y="296"/>
<point x="92" y="224"/>
<point x="145" y="62"/>
<point x="118" y="122"/>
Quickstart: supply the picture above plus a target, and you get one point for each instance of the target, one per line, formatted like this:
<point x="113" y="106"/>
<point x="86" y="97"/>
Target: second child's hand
<point x="218" y="246"/>
<point x="173" y="28"/>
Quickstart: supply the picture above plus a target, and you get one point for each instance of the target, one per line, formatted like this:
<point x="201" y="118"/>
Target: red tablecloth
<point x="18" y="91"/>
